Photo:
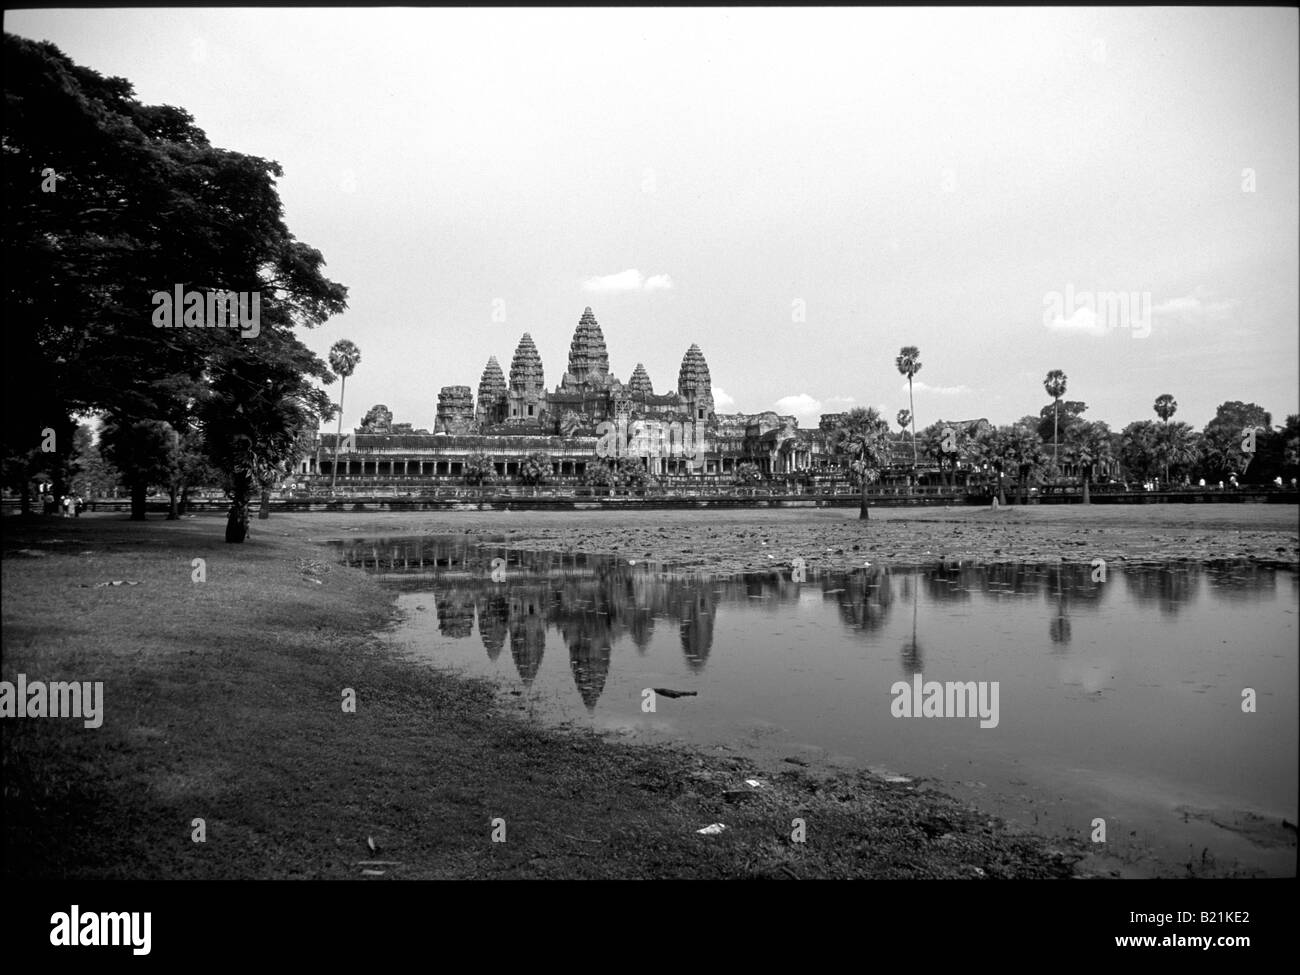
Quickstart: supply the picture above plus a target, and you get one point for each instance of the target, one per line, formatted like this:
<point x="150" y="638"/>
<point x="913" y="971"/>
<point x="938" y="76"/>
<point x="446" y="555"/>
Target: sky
<point x="799" y="192"/>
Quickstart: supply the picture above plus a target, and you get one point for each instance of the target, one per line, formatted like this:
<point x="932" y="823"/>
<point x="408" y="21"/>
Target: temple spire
<point x="490" y="407"/>
<point x="526" y="367"/>
<point x="588" y="358"/>
<point x="695" y="385"/>
<point x="639" y="385"/>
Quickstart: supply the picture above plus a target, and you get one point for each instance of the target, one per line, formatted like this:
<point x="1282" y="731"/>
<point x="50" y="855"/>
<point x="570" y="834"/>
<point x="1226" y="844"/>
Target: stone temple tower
<point x="491" y="406"/>
<point x="639" y="386"/>
<point x="588" y="358"/>
<point x="455" y="410"/>
<point x="696" y="386"/>
<point x="527" y="392"/>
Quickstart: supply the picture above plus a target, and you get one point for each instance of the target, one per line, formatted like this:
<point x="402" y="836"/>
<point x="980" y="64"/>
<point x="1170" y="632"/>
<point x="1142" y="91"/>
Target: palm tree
<point x="1019" y="451"/>
<point x="862" y="436"/>
<point x="986" y="450"/>
<point x="1165" y="406"/>
<point x="904" y="418"/>
<point x="1177" y="445"/>
<point x="344" y="358"/>
<point x="908" y="362"/>
<point x="1055" y="386"/>
<point x="1088" y="444"/>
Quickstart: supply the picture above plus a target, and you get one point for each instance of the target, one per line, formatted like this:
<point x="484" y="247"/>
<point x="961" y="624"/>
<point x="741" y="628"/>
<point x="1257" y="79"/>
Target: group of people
<point x="71" y="505"/>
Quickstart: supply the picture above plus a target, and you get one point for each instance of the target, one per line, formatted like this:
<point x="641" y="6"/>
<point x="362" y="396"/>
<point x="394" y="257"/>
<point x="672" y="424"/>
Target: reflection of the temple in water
<point x="593" y="602"/>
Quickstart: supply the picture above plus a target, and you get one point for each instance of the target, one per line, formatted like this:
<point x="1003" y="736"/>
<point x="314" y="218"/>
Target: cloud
<point x="921" y="387"/>
<point x="721" y="401"/>
<point x="1199" y="306"/>
<point x="629" y="280"/>
<point x="802" y="406"/>
<point x="1084" y="321"/>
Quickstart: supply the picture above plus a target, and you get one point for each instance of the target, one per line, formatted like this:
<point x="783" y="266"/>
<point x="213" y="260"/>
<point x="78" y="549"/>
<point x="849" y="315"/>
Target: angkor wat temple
<point x="676" y="433"/>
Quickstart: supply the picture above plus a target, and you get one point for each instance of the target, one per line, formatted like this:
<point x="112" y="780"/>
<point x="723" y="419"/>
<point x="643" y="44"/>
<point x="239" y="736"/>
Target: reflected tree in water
<point x="1242" y="582"/>
<point x="865" y="597"/>
<point x="912" y="656"/>
<point x="1166" y="587"/>
<point x="456" y="614"/>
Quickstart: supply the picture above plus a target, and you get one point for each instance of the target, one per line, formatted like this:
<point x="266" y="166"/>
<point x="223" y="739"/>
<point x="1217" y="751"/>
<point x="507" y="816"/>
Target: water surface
<point x="1118" y="699"/>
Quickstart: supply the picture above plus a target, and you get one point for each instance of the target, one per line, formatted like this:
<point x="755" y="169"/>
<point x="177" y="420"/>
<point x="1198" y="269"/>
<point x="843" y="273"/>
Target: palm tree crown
<point x="1165" y="406"/>
<point x="344" y="357"/>
<point x="908" y="362"/>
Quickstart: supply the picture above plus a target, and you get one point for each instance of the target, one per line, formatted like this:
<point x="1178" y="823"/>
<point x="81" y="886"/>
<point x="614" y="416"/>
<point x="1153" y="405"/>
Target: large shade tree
<point x="109" y="202"/>
<point x="1139" y="452"/>
<point x="146" y="452"/>
<point x="1225" y="436"/>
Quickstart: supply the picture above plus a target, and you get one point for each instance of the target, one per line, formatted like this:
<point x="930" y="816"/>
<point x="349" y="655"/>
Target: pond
<point x="1161" y="698"/>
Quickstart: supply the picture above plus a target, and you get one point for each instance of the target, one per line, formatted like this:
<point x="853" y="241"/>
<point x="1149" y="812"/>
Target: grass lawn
<point x="222" y="702"/>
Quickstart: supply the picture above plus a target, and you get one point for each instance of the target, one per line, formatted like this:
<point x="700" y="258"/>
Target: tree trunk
<point x="237" y="519"/>
<point x="185" y="499"/>
<point x="137" y="502"/>
<point x="334" y="473"/>
<point x="173" y="512"/>
<point x="26" y="498"/>
<point x="1087" y="499"/>
<point x="862" y="508"/>
<point x="912" y="406"/>
<point x="264" y="508"/>
<point x="1056" y="416"/>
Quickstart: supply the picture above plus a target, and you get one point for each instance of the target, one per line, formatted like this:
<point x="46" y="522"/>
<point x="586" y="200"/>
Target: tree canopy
<point x="108" y="202"/>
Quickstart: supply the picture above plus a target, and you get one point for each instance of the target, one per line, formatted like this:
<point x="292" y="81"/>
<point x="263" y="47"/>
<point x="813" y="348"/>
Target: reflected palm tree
<point x="912" y="656"/>
<point x="1059" y="588"/>
<point x="865" y="597"/>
